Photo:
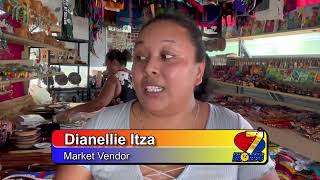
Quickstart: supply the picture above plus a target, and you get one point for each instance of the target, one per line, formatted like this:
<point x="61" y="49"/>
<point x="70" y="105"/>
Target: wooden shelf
<point x="28" y="42"/>
<point x="56" y="64"/>
<point x="27" y="79"/>
<point x="267" y="96"/>
<point x="70" y="89"/>
<point x="286" y="33"/>
<point x="73" y="40"/>
<point x="20" y="61"/>
<point x="291" y="139"/>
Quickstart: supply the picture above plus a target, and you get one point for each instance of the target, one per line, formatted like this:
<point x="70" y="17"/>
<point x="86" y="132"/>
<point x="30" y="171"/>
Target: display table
<point x="13" y="161"/>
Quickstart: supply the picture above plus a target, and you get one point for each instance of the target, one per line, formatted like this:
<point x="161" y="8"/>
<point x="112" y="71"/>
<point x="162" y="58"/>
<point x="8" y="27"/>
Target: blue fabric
<point x="123" y="17"/>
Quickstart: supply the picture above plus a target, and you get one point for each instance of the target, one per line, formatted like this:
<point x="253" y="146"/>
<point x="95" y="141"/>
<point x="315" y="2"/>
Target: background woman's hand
<point x="64" y="116"/>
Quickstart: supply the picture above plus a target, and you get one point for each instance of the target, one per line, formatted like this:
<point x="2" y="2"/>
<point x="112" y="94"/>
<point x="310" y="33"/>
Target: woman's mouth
<point x="153" y="89"/>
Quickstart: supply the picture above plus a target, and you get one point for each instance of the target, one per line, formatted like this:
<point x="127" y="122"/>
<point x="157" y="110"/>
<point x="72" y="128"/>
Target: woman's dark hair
<point x="195" y="34"/>
<point x="122" y="57"/>
<point x="201" y="91"/>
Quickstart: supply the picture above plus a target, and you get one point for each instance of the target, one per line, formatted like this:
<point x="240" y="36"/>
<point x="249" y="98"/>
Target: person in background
<point x="116" y="89"/>
<point x="169" y="63"/>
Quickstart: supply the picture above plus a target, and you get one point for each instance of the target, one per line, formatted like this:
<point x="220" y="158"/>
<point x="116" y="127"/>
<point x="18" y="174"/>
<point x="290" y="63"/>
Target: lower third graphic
<point x="251" y="144"/>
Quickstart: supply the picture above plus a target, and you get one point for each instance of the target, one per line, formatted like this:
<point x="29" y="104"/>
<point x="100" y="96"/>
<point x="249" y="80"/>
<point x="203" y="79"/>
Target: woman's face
<point x="164" y="69"/>
<point x="111" y="66"/>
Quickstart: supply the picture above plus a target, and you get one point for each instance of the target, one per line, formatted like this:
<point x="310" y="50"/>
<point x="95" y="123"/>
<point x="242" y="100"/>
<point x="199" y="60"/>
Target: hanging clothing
<point x="263" y="5"/>
<point x="275" y="11"/>
<point x="67" y="25"/>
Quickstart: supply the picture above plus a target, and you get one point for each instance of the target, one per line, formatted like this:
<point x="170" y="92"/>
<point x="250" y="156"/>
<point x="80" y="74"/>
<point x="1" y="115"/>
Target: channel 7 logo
<point x="251" y="144"/>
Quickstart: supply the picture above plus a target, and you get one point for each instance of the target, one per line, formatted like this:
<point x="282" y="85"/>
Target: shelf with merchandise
<point x="58" y="64"/>
<point x="267" y="96"/>
<point x="29" y="42"/>
<point x="15" y="80"/>
<point x="291" y="139"/>
<point x="274" y="34"/>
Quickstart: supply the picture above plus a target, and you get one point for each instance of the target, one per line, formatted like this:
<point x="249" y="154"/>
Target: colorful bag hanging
<point x="210" y="15"/>
<point x="67" y="25"/>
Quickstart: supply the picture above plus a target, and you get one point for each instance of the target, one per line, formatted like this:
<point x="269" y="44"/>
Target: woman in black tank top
<point x="117" y="88"/>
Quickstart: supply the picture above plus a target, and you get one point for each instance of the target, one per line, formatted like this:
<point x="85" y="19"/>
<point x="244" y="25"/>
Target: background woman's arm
<point x="72" y="172"/>
<point x="108" y="92"/>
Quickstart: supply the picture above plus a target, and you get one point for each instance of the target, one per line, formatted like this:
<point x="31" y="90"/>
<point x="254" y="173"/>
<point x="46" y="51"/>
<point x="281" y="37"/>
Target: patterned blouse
<point x="127" y="91"/>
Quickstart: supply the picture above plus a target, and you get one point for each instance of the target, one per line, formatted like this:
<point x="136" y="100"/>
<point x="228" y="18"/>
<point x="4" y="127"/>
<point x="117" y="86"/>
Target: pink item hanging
<point x="302" y="3"/>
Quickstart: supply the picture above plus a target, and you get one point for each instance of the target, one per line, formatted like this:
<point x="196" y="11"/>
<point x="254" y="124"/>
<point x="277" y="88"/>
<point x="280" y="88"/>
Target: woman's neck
<point x="183" y="117"/>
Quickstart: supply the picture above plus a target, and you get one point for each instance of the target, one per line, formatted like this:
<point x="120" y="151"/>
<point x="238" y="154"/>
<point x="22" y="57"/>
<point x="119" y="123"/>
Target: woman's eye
<point x="140" y="58"/>
<point x="166" y="57"/>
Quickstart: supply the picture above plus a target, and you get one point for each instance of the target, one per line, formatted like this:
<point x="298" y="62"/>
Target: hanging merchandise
<point x="295" y="18"/>
<point x="264" y="5"/>
<point x="110" y="17"/>
<point x="227" y="10"/>
<point x="289" y="5"/>
<point x="302" y="3"/>
<point x="311" y="17"/>
<point x="67" y="26"/>
<point x="196" y="4"/>
<point x="244" y="7"/>
<point x="275" y="11"/>
<point x="114" y="5"/>
<point x="210" y="15"/>
<point x="96" y="21"/>
<point x="243" y="10"/>
<point x="19" y="10"/>
<point x="131" y="15"/>
<point x="146" y="14"/>
<point x="81" y="8"/>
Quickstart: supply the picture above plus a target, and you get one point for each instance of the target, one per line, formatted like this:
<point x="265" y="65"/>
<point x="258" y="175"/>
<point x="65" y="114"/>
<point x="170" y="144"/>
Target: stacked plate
<point x="61" y="79"/>
<point x="25" y="139"/>
<point x="74" y="78"/>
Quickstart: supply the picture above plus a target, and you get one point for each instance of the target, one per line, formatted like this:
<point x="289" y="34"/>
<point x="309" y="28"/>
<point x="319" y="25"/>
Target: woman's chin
<point x="153" y="105"/>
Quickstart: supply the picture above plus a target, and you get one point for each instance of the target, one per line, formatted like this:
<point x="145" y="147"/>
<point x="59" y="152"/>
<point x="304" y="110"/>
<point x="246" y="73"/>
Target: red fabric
<point x="231" y="21"/>
<point x="302" y="3"/>
<point x="196" y="4"/>
<point x="18" y="91"/>
<point x="14" y="53"/>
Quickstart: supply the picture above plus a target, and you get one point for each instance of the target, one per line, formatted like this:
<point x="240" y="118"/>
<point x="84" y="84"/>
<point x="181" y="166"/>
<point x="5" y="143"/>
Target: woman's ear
<point x="200" y="72"/>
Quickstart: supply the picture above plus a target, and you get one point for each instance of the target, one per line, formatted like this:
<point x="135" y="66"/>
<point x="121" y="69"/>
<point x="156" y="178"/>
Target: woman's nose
<point x="152" y="66"/>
